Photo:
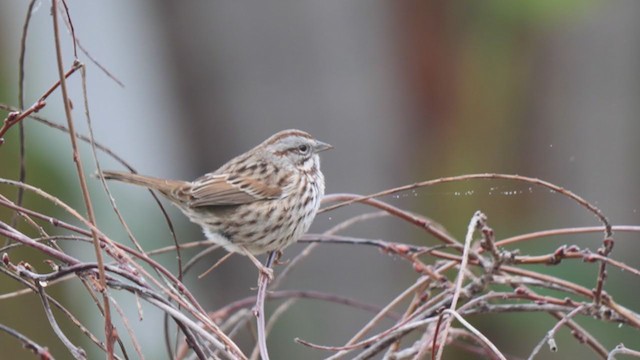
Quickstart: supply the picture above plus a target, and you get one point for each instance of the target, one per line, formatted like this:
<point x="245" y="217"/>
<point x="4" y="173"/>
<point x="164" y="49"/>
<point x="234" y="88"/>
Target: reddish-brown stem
<point x="17" y="116"/>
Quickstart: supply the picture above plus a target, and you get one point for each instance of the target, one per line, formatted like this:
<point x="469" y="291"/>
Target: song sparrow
<point x="260" y="201"/>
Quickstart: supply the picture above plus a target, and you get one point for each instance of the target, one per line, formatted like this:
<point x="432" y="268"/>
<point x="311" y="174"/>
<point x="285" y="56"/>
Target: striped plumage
<point x="260" y="201"/>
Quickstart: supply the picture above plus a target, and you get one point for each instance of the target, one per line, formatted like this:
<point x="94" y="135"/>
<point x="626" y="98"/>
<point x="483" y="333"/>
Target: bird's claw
<point x="277" y="260"/>
<point x="265" y="271"/>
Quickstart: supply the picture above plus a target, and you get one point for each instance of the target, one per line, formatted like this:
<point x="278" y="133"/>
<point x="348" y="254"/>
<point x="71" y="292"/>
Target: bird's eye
<point x="303" y="148"/>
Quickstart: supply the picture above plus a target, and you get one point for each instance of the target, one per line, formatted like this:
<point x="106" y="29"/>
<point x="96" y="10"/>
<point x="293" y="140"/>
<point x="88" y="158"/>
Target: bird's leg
<point x="263" y="269"/>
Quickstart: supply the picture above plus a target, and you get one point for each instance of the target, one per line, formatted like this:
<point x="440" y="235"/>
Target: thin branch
<point x="476" y="221"/>
<point x="77" y="352"/>
<point x="549" y="337"/>
<point x="41" y="351"/>
<point x="19" y="115"/>
<point x="564" y="231"/>
<point x="428" y="225"/>
<point x="279" y="311"/>
<point x="176" y="293"/>
<point x="22" y="174"/>
<point x="622" y="350"/>
<point x="97" y="163"/>
<point x="110" y="332"/>
<point x="418" y="284"/>
<point x="597" y="212"/>
<point x="332" y="231"/>
<point x="477" y="333"/>
<point x="263" y="282"/>
<point x="125" y="321"/>
<point x="236" y="306"/>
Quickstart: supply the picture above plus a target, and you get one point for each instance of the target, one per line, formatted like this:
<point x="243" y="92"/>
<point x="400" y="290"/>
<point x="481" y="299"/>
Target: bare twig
<point x="593" y="209"/>
<point x="477" y="219"/>
<point x="176" y="294"/>
<point x="110" y="332"/>
<point x="77" y="352"/>
<point x="279" y="311"/>
<point x="477" y="333"/>
<point x="17" y="116"/>
<point x="22" y="175"/>
<point x="549" y="337"/>
<point x="622" y="350"/>
<point x="236" y="306"/>
<point x="263" y="282"/>
<point x="334" y="230"/>
<point x="41" y="351"/>
<point x="382" y="313"/>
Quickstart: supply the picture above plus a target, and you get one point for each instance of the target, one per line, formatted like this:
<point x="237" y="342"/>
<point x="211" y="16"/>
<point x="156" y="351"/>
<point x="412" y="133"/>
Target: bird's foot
<point x="277" y="260"/>
<point x="265" y="271"/>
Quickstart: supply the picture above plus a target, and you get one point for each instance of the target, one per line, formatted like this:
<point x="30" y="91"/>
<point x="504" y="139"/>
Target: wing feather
<point x="219" y="190"/>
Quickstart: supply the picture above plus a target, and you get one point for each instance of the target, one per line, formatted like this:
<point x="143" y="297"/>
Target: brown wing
<point x="222" y="189"/>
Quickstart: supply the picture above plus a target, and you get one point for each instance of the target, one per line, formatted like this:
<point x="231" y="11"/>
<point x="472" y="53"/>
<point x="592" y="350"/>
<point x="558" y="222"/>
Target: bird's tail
<point x="166" y="187"/>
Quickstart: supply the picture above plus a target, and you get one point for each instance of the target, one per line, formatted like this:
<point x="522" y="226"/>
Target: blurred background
<point x="405" y="90"/>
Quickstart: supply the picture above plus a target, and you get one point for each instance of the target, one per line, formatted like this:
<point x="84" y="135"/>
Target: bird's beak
<point x="320" y="146"/>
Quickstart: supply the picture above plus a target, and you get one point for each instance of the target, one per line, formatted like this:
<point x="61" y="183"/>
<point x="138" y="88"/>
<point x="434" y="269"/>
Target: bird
<point x="260" y="201"/>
